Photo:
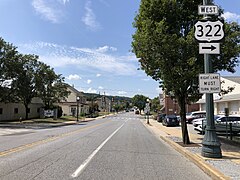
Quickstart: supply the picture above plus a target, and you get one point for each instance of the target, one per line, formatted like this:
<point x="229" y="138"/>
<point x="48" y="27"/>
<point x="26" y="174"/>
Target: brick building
<point x="170" y="106"/>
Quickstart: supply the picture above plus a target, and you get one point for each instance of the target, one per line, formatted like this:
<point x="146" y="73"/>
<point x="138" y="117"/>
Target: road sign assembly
<point x="209" y="83"/>
<point x="209" y="33"/>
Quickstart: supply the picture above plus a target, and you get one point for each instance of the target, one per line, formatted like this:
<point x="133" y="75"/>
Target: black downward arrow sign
<point x="212" y="47"/>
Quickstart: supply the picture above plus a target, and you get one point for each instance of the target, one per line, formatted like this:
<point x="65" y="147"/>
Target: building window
<point x="38" y="110"/>
<point x="15" y="110"/>
<point x="1" y="110"/>
<point x="28" y="110"/>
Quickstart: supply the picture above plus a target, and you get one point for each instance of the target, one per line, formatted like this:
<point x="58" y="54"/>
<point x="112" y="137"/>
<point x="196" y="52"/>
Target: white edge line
<point x="85" y="163"/>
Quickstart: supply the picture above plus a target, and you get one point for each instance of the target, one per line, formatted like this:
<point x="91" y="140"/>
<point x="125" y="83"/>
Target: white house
<point x="70" y="105"/>
<point x="15" y="111"/>
<point x="230" y="100"/>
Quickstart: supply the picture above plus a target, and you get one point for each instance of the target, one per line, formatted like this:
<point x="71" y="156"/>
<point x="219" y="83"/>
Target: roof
<point x="74" y="90"/>
<point x="235" y="79"/>
<point x="233" y="97"/>
<point x="229" y="98"/>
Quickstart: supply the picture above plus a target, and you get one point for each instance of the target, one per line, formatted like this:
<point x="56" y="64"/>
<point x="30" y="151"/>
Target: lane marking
<point x="86" y="162"/>
<point x="27" y="146"/>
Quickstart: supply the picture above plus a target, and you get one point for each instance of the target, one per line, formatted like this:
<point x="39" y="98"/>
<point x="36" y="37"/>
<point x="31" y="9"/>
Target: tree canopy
<point x="167" y="51"/>
<point x="139" y="101"/>
<point x="23" y="77"/>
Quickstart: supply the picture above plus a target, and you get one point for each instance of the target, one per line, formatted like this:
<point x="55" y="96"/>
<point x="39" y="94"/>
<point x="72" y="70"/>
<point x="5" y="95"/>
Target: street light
<point x="78" y="98"/>
<point x="148" y="109"/>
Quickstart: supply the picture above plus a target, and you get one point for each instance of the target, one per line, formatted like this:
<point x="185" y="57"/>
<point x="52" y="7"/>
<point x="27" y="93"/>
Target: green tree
<point x="155" y="104"/>
<point x="23" y="84"/>
<point x="8" y="57"/>
<point x="139" y="101"/>
<point x="117" y="107"/>
<point x="50" y="86"/>
<point x="164" y="42"/>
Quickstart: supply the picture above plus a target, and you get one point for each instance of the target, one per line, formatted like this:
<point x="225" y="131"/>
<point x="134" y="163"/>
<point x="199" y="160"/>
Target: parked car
<point x="170" y="120"/>
<point x="160" y="117"/>
<point x="235" y="119"/>
<point x="195" y="115"/>
<point x="137" y="112"/>
<point x="220" y="124"/>
<point x="197" y="123"/>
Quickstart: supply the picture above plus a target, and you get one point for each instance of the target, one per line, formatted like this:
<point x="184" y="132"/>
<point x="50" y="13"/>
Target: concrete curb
<point x="197" y="160"/>
<point x="200" y="162"/>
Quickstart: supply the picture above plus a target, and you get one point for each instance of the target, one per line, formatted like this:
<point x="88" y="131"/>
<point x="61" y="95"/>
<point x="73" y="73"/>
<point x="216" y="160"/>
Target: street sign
<point x="209" y="83"/>
<point x="209" y="31"/>
<point x="208" y="10"/>
<point x="209" y="48"/>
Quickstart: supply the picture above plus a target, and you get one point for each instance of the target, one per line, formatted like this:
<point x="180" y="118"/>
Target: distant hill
<point x="116" y="98"/>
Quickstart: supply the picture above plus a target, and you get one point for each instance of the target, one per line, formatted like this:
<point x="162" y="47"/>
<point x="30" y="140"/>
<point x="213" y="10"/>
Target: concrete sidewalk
<point x="227" y="167"/>
<point x="28" y="125"/>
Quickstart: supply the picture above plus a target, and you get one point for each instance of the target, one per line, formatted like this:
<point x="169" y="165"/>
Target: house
<point x="75" y="100"/>
<point x="230" y="100"/>
<point x="16" y="111"/>
<point x="105" y="104"/>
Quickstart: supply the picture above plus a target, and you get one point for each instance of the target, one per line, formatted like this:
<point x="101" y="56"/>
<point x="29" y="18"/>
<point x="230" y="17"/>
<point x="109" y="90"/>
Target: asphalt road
<point x="116" y="147"/>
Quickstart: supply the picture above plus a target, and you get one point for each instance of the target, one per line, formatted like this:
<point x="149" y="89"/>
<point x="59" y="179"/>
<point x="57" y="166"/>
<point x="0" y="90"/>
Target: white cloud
<point x="64" y="1"/>
<point x="159" y="90"/>
<point x="146" y="79"/>
<point x="231" y="16"/>
<point x="50" y="10"/>
<point x="91" y="90"/>
<point x="73" y="77"/>
<point x="89" y="18"/>
<point x="89" y="81"/>
<point x="98" y="75"/>
<point x="81" y="58"/>
<point x="100" y="87"/>
<point x="105" y="49"/>
<point x="122" y="92"/>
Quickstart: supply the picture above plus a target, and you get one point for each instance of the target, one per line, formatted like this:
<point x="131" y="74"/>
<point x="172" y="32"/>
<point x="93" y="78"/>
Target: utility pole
<point x="78" y="98"/>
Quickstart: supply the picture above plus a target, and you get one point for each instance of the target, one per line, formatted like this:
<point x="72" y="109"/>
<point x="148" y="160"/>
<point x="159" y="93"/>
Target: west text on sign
<point x="207" y="10"/>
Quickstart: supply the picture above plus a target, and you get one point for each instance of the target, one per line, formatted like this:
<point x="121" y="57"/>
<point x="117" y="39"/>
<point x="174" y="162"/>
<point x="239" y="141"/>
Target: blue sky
<point x="87" y="41"/>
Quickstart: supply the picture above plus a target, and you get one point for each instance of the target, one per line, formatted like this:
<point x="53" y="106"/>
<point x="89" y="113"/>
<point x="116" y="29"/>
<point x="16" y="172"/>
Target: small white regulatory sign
<point x="209" y="48"/>
<point x="209" y="83"/>
<point x="208" y="10"/>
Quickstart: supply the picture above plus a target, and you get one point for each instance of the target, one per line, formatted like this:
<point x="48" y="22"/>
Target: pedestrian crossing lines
<point x="11" y="131"/>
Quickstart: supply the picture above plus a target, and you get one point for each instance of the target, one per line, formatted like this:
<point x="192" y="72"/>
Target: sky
<point x="87" y="41"/>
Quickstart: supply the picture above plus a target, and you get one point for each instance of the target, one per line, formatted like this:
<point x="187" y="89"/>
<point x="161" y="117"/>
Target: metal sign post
<point x="209" y="31"/>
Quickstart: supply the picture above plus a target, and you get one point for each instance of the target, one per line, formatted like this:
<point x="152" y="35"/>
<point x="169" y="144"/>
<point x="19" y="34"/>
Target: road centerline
<point x="33" y="144"/>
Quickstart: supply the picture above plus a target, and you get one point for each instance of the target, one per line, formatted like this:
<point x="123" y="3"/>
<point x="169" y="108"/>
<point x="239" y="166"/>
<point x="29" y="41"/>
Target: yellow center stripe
<point x="26" y="146"/>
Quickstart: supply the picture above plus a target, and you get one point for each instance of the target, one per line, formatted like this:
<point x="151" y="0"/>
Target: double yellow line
<point x="27" y="146"/>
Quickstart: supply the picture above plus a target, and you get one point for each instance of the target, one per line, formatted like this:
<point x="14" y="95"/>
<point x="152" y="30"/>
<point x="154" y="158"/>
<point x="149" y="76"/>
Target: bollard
<point x="230" y="125"/>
